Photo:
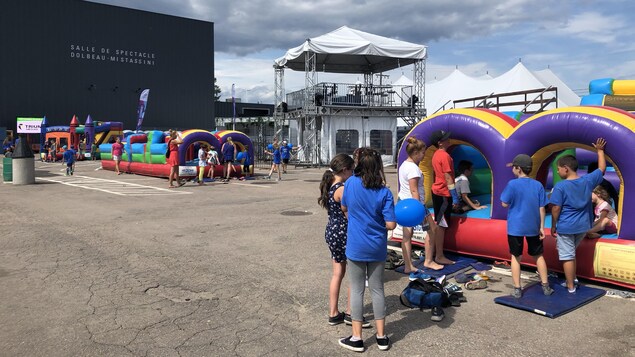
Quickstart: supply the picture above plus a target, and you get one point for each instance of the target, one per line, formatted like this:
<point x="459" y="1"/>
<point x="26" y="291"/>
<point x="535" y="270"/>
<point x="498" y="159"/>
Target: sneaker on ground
<point x="572" y="291"/>
<point x="451" y="289"/>
<point x="419" y="275"/>
<point x="437" y="314"/>
<point x="575" y="283"/>
<point x="441" y="280"/>
<point x="546" y="289"/>
<point x="383" y="343"/>
<point x="337" y="319"/>
<point x="517" y="293"/>
<point x="476" y="284"/>
<point x="349" y="321"/>
<point x="357" y="346"/>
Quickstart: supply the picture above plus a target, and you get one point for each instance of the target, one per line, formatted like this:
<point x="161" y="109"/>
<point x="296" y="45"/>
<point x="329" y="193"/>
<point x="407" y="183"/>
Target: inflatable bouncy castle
<point x="145" y="152"/>
<point x="494" y="139"/>
<point x="99" y="132"/>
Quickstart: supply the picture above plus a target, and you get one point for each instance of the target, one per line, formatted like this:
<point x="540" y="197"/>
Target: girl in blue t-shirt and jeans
<point x="369" y="207"/>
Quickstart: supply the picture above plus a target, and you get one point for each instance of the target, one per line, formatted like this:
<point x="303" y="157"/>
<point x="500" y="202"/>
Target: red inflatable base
<point x="159" y="170"/>
<point x="488" y="238"/>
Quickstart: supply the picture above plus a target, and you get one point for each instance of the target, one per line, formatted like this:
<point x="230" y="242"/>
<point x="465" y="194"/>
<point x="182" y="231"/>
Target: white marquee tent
<point x="459" y="86"/>
<point x="347" y="50"/>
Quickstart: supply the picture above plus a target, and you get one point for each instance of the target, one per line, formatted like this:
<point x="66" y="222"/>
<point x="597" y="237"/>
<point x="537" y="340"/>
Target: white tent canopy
<point x="347" y="50"/>
<point x="460" y="86"/>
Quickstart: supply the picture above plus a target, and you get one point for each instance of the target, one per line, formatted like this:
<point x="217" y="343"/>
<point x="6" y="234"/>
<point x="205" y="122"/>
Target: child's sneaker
<point x="357" y="346"/>
<point x="437" y="314"/>
<point x="349" y="321"/>
<point x="418" y="274"/>
<point x="383" y="343"/>
<point x="452" y="289"/>
<point x="337" y="319"/>
<point x="575" y="283"/>
<point x="517" y="293"/>
<point x="441" y="280"/>
<point x="546" y="289"/>
<point x="572" y="291"/>
<point x="476" y="284"/>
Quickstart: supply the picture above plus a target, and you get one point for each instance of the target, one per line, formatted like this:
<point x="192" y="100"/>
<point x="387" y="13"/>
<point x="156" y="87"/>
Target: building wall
<point x="72" y="57"/>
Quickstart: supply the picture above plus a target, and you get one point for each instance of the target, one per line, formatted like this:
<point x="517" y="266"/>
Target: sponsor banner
<point x="29" y="125"/>
<point x="615" y="262"/>
<point x="418" y="235"/>
<point x="141" y="109"/>
<point x="188" y="171"/>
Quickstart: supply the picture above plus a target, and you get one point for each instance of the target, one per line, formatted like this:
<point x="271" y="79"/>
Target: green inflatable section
<point x="481" y="181"/>
<point x="138" y="157"/>
<point x="106" y="156"/>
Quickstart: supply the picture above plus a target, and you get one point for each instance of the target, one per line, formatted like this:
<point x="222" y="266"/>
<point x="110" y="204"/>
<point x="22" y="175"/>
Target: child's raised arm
<point x="599" y="144"/>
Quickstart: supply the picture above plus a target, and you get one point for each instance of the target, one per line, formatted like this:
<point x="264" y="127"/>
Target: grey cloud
<point x="244" y="27"/>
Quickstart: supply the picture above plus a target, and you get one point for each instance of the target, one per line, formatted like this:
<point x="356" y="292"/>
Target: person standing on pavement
<point x="202" y="162"/>
<point x="69" y="159"/>
<point x="173" y="160"/>
<point x="228" y="150"/>
<point x="285" y="154"/>
<point x="116" y="151"/>
<point x="370" y="209"/>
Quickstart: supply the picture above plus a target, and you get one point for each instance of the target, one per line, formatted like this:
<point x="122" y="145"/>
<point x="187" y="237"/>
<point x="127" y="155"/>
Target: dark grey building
<point x="72" y="57"/>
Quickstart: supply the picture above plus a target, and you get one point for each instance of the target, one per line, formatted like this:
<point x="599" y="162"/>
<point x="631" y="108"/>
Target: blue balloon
<point x="409" y="212"/>
<point x="270" y="147"/>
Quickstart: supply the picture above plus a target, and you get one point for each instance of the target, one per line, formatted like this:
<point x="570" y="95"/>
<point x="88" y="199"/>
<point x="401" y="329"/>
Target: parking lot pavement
<point x="227" y="270"/>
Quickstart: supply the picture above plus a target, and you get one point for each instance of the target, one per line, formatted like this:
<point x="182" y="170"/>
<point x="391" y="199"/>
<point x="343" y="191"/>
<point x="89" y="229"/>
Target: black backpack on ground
<point x="424" y="294"/>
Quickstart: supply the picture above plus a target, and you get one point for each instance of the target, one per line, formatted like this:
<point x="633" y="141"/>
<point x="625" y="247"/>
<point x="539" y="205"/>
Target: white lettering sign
<point x="106" y="54"/>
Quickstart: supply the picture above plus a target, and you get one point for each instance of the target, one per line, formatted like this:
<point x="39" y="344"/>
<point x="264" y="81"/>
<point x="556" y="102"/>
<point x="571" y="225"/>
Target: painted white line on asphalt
<point x="248" y="185"/>
<point x="80" y="186"/>
<point x="114" y="187"/>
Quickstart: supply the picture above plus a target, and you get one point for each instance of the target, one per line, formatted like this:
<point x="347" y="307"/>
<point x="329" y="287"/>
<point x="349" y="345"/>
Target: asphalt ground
<point x="104" y="265"/>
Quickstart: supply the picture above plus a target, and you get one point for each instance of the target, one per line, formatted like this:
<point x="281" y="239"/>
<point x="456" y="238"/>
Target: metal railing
<point x="347" y="94"/>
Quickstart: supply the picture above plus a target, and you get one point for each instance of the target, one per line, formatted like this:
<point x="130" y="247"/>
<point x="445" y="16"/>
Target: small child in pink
<point x="605" y="217"/>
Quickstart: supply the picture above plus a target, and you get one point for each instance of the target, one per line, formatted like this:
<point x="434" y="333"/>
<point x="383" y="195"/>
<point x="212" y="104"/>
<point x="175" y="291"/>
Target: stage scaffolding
<point x="370" y="99"/>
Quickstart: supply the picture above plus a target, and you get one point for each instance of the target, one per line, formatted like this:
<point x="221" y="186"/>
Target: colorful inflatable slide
<point x="497" y="139"/>
<point x="616" y="93"/>
<point x="145" y="152"/>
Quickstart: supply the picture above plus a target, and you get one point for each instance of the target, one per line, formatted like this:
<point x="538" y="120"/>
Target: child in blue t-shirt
<point x="275" y="162"/>
<point x="370" y="209"/>
<point x="572" y="212"/>
<point x="526" y="200"/>
<point x="285" y="154"/>
<point x="69" y="159"/>
<point x="246" y="162"/>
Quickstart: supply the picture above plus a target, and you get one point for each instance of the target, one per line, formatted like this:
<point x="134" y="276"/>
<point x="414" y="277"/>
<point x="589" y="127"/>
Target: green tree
<point x="216" y="91"/>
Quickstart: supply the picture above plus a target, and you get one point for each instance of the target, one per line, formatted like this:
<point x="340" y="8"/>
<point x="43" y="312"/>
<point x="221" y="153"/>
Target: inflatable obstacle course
<point x="145" y="152"/>
<point x="498" y="139"/>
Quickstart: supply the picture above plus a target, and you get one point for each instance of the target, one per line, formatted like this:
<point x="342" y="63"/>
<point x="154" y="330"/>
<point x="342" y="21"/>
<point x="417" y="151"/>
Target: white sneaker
<point x="575" y="283"/>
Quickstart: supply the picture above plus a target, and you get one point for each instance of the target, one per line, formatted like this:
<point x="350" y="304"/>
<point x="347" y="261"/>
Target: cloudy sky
<point x="579" y="40"/>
